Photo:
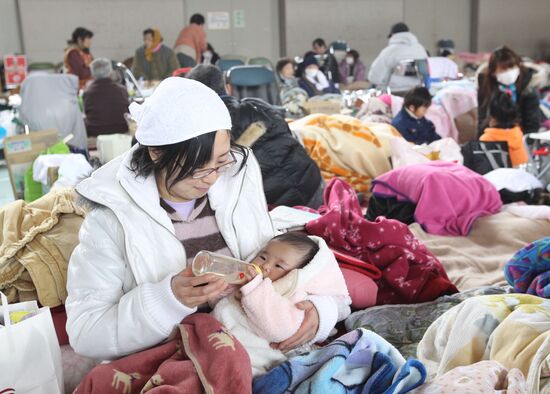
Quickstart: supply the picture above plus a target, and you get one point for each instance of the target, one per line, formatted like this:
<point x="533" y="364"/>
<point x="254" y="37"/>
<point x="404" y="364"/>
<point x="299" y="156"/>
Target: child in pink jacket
<point x="294" y="268"/>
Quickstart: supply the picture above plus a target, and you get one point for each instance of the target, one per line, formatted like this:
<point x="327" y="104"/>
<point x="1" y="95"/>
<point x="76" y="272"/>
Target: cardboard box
<point x="328" y="107"/>
<point x="20" y="151"/>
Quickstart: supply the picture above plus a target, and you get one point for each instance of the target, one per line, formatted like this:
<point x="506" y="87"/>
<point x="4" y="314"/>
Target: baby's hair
<point x="302" y="242"/>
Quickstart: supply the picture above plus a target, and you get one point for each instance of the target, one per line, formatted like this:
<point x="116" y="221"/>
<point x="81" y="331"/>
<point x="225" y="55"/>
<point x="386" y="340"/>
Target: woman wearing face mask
<point x="352" y="68"/>
<point x="312" y="79"/>
<point x="77" y="56"/>
<point x="505" y="73"/>
<point x="185" y="186"/>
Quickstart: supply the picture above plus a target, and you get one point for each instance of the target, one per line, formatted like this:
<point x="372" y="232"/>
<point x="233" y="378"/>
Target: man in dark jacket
<point x="327" y="61"/>
<point x="289" y="175"/>
<point x="105" y="102"/>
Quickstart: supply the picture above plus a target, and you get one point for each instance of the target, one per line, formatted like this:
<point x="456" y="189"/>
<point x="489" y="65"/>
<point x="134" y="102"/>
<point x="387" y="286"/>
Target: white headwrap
<point x="178" y="110"/>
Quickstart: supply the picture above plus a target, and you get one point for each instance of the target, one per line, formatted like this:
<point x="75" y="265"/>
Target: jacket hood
<point x="321" y="276"/>
<point x="404" y="38"/>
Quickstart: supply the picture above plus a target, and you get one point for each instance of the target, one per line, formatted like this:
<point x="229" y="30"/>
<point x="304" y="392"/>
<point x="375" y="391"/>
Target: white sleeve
<point x="331" y="309"/>
<point x="103" y="321"/>
<point x="379" y="69"/>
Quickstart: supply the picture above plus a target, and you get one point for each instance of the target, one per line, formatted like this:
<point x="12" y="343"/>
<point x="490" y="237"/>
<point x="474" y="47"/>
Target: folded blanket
<point x="410" y="273"/>
<point x="345" y="147"/>
<point x="359" y="361"/>
<point x="484" y="377"/>
<point x="449" y="197"/>
<point x="36" y="242"/>
<point x="513" y="329"/>
<point x="478" y="259"/>
<point x="404" y="325"/>
<point x="529" y="270"/>
<point x="204" y="357"/>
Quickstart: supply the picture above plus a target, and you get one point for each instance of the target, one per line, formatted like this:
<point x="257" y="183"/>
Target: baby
<point x="293" y="268"/>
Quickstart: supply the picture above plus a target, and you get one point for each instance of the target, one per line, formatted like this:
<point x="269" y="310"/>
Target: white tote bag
<point x="30" y="357"/>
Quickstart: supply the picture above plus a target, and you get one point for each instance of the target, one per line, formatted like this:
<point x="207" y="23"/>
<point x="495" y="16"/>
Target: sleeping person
<point x="292" y="268"/>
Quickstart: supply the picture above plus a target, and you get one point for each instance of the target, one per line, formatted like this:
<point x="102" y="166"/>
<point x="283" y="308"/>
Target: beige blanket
<point x="478" y="259"/>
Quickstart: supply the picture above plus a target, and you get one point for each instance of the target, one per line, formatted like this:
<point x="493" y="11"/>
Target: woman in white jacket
<point x="128" y="285"/>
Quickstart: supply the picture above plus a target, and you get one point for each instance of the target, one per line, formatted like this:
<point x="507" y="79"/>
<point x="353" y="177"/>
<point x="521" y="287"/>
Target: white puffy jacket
<point x="401" y="46"/>
<point x="119" y="295"/>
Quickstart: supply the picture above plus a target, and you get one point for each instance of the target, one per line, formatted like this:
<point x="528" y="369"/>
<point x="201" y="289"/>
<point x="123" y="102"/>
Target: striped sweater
<point x="200" y="231"/>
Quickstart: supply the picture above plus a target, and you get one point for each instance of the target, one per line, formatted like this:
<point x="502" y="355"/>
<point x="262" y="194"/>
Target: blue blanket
<point x="358" y="362"/>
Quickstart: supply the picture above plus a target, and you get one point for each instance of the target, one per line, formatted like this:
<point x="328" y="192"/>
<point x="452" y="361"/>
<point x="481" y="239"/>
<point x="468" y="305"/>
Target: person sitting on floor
<point x="312" y="79"/>
<point x="326" y="60"/>
<point x="411" y="121"/>
<point x="352" y="68"/>
<point x="504" y="126"/>
<point x="105" y="101"/>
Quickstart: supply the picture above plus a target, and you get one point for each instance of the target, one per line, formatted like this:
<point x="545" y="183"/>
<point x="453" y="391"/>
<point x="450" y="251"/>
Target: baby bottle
<point x="232" y="270"/>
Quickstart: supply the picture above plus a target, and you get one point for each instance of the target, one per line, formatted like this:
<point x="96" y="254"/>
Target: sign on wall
<point x="238" y="19"/>
<point x="15" y="69"/>
<point x="218" y="21"/>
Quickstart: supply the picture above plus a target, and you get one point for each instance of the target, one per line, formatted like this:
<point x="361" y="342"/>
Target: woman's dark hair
<point x="354" y="54"/>
<point x="503" y="110"/>
<point x="149" y="31"/>
<point x="301" y="242"/>
<point x="197" y="19"/>
<point x="417" y="97"/>
<point x="319" y="42"/>
<point x="208" y="75"/>
<point x="179" y="161"/>
<point x="80" y="33"/>
<point x="505" y="58"/>
<point x="282" y="63"/>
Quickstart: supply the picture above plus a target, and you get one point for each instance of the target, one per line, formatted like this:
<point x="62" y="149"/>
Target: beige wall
<point x="118" y="24"/>
<point x="365" y="24"/>
<point x="9" y="33"/>
<point x="47" y="24"/>
<point x="524" y="25"/>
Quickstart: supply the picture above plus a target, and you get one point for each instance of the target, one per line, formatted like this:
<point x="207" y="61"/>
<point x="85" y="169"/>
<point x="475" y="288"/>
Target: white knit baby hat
<point x="179" y="109"/>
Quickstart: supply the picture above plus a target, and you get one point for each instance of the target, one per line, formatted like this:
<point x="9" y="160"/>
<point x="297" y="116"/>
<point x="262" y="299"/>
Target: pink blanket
<point x="449" y="197"/>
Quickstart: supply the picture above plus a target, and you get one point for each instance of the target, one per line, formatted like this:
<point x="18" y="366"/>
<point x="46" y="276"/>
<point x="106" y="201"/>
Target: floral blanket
<point x="346" y="148"/>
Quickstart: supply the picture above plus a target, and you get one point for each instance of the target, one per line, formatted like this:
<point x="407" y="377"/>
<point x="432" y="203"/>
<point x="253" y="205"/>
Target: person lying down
<point x="293" y="268"/>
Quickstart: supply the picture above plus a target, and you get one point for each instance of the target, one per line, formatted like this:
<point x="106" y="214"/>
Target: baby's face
<point x="277" y="259"/>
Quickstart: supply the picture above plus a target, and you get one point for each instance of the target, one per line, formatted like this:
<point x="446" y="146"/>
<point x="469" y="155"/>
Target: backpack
<point x="484" y="156"/>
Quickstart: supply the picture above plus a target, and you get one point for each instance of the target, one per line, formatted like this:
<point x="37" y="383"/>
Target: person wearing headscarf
<point x="77" y="57"/>
<point x="154" y="61"/>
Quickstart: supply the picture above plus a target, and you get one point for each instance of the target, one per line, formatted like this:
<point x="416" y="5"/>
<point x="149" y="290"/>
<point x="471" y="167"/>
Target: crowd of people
<point x="203" y="170"/>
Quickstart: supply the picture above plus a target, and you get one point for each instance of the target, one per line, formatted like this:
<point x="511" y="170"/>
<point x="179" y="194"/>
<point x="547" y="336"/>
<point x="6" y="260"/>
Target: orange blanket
<point x="346" y="148"/>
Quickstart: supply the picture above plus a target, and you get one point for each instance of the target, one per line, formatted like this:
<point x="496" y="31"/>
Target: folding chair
<point x="254" y="81"/>
<point x="225" y="64"/>
<point x="260" y="61"/>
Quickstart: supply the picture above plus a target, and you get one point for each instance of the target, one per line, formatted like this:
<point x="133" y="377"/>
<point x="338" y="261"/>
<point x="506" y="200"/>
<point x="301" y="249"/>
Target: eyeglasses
<point x="219" y="170"/>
